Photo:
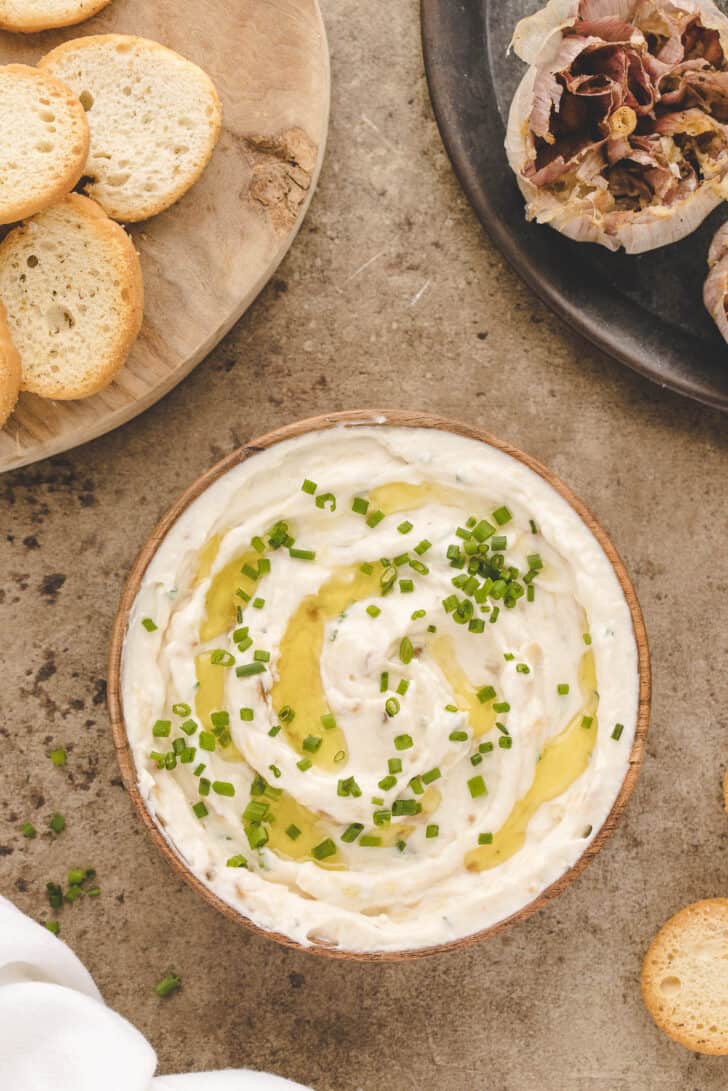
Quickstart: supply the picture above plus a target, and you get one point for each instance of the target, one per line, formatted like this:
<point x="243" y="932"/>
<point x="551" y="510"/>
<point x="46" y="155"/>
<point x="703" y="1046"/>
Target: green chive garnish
<point x="328" y="721"/>
<point x="395" y="765"/>
<point x="433" y="830"/>
<point x="162" y="729"/>
<point x="587" y="721"/>
<point x="304" y="764"/>
<point x="326" y="499"/>
<point x="167" y="985"/>
<point x="311" y="743"/>
<point x="302" y="554"/>
<point x="391" y="706"/>
<point x="405" y="527"/>
<point x="237" y="861"/>
<point x="403" y="742"/>
<point x="373" y="611"/>
<point x="502" y="516"/>
<point x="351" y="833"/>
<point x="485" y="838"/>
<point x="375" y="518"/>
<point x="309" y="486"/>
<point x="458" y="736"/>
<point x="476" y="787"/>
<point x="562" y="689"/>
<point x="387" y="782"/>
<point x="617" y="733"/>
<point x="246" y="670"/>
<point x="505" y="742"/>
<point x="200" y="809"/>
<point x="368" y="841"/>
<point x="432" y="775"/>
<point x="223" y="788"/>
<point x="360" y="505"/>
<point x="181" y="709"/>
<point x="384" y="681"/>
<point x="402" y="687"/>
<point x="406" y="651"/>
<point x="293" y="832"/>
<point x="149" y="625"/>
<point x="58" y="757"/>
<point x="324" y="849"/>
<point x="221" y="658"/>
<point x="587" y="638"/>
<point x="486" y="693"/>
<point x="246" y="714"/>
<point x="28" y="830"/>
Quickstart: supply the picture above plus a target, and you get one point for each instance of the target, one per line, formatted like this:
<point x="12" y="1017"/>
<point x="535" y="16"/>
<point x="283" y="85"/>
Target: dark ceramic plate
<point x="645" y="310"/>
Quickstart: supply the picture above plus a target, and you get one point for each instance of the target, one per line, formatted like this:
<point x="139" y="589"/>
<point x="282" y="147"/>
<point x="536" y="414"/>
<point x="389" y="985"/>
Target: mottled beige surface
<point x="391" y="294"/>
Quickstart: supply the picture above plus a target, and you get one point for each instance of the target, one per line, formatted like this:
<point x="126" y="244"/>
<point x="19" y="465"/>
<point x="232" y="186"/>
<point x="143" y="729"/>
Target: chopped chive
<point x="530" y="593"/>
<point x="207" y="740"/>
<point x="523" y="668"/>
<point x="258" y="604"/>
<point x="432" y="775"/>
<point x="433" y="830"/>
<point x="328" y="721"/>
<point x="293" y="832"/>
<point x="351" y="833"/>
<point x="505" y="742"/>
<point x="394" y="765"/>
<point x="274" y="730"/>
<point x="370" y="842"/>
<point x="501" y="706"/>
<point x="302" y="554"/>
<point x="246" y="670"/>
<point x="258" y="544"/>
<point x="312" y="743"/>
<point x="483" y="530"/>
<point x="423" y="546"/>
<point x="485" y="838"/>
<point x="204" y="786"/>
<point x="220" y="720"/>
<point x="257" y="835"/>
<point x="324" y="849"/>
<point x="476" y="625"/>
<point x="508" y="656"/>
<point x="485" y="748"/>
<point x="149" y="625"/>
<point x="188" y="755"/>
<point x="405" y="807"/>
<point x="339" y="755"/>
<point x="53" y="926"/>
<point x="261" y="656"/>
<point x="189" y="727"/>
<point x="587" y="638"/>
<point x="534" y="528"/>
<point x="162" y="729"/>
<point x="236" y="861"/>
<point x="387" y="782"/>
<point x="450" y="603"/>
<point x="221" y="658"/>
<point x="476" y="787"/>
<point x="403" y="742"/>
<point x="562" y="689"/>
<point x="55" y="895"/>
<point x="405" y="527"/>
<point x="418" y="614"/>
<point x="391" y="707"/>
<point x="617" y="733"/>
<point x="476" y="759"/>
<point x="494" y="615"/>
<point x="458" y="736"/>
<point x="325" y="499"/>
<point x="200" y="809"/>
<point x="406" y="651"/>
<point x="432" y="628"/>
<point x="373" y="610"/>
<point x="417" y="786"/>
<point x="223" y="788"/>
<point x="486" y="693"/>
<point x="360" y="505"/>
<point x="245" y="643"/>
<point x="587" y="721"/>
<point x="178" y="746"/>
<point x="309" y="486"/>
<point x="366" y="568"/>
<point x="28" y="830"/>
<point x="199" y="769"/>
<point x="275" y="771"/>
<point x="263" y="566"/>
<point x="252" y="573"/>
<point x="384" y="681"/>
<point x="181" y="709"/>
<point x="304" y="764"/>
<point x="246" y="714"/>
<point x="382" y="818"/>
<point x="58" y="757"/>
<point x="403" y="687"/>
<point x="502" y="516"/>
<point x="406" y="586"/>
<point x="375" y="518"/>
<point x="167" y="985"/>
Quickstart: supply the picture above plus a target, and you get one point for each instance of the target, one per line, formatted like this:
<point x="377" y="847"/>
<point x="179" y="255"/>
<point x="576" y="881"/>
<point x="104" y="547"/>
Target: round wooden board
<point x="206" y="258"/>
<point x="379" y="418"/>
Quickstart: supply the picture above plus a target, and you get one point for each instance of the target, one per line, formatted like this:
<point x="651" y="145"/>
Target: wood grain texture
<point x="206" y="258"/>
<point x="383" y="418"/>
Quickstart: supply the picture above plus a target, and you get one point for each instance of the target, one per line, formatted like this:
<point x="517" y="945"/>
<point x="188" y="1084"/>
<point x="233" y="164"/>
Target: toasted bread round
<point x="685" y="977"/>
<point x="30" y="16"/>
<point x="154" y="119"/>
<point x="45" y="141"/>
<point x="71" y="283"/>
<point x="9" y="371"/>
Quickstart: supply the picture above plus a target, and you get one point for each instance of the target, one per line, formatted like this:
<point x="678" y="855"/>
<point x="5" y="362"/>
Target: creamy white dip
<point x="479" y="849"/>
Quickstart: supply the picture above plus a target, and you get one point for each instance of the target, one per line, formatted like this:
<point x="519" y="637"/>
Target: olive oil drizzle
<point x="562" y="762"/>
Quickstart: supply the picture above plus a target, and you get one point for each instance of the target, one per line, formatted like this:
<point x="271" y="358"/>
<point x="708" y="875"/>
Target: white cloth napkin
<point x="56" y="1032"/>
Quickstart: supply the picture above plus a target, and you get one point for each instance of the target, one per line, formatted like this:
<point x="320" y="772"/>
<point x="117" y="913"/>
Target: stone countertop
<point x="393" y="296"/>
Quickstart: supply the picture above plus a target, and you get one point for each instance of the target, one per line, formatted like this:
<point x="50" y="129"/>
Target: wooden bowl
<point x="383" y="418"/>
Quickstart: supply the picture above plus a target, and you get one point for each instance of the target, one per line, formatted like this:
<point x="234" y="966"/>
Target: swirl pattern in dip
<point x="381" y="687"/>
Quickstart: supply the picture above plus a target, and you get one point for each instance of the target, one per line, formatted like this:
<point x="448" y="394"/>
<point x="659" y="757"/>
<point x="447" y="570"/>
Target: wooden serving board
<point x="206" y="258"/>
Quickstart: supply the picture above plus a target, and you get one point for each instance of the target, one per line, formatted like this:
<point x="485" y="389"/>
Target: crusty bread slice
<point x="154" y="119"/>
<point x="685" y="977"/>
<point x="9" y="371"/>
<point x="45" y="141"/>
<point x="30" y="16"/>
<point x="71" y="283"/>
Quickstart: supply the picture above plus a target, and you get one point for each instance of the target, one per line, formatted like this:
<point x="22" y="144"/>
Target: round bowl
<point x="383" y="418"/>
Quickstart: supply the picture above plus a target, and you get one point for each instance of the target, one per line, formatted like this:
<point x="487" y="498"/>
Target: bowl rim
<point x="374" y="418"/>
